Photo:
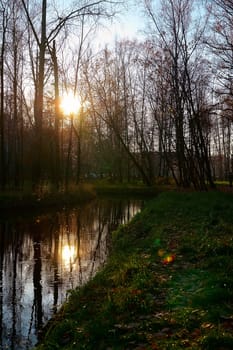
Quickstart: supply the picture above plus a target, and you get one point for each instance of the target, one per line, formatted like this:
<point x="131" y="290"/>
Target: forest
<point x="155" y="108"/>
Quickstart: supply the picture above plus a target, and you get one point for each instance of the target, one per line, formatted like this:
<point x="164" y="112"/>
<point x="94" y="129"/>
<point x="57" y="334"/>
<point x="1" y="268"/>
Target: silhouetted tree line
<point x="157" y="108"/>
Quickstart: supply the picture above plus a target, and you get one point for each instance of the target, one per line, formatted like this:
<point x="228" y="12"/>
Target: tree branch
<point x="82" y="11"/>
<point x="30" y="22"/>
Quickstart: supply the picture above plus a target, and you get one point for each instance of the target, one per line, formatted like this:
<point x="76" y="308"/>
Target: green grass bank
<point x="168" y="283"/>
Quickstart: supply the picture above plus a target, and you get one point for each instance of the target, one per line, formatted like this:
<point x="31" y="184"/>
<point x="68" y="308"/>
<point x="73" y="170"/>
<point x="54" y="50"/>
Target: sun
<point x="70" y="103"/>
<point x="68" y="254"/>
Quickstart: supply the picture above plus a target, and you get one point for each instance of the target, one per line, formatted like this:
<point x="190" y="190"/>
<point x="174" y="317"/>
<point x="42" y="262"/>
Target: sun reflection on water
<point x="45" y="257"/>
<point x="68" y="254"/>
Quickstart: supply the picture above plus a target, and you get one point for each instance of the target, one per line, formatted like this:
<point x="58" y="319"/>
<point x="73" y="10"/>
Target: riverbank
<point x="47" y="198"/>
<point x="167" y="285"/>
<point x="26" y="199"/>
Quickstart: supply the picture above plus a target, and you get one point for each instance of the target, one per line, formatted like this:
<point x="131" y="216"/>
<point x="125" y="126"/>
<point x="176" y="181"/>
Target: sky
<point x="128" y="24"/>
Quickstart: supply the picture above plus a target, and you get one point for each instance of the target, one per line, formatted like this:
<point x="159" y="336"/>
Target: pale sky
<point x="127" y="24"/>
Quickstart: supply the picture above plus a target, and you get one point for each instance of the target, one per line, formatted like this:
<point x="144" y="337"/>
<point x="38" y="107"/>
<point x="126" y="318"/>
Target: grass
<point x="168" y="283"/>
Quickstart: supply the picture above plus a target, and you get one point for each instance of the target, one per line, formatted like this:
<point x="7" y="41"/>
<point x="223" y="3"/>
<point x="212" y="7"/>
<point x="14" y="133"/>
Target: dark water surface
<point x="43" y="256"/>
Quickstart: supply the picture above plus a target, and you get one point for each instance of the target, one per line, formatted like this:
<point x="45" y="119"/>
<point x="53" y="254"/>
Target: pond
<point x="43" y="256"/>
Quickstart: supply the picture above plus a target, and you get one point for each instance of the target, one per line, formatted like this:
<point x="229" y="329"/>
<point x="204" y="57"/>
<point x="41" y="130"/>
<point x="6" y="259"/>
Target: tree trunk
<point x="56" y="170"/>
<point x="2" y="121"/>
<point x="39" y="99"/>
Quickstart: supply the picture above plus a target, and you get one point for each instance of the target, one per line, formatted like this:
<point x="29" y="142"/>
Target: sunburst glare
<point x="70" y="103"/>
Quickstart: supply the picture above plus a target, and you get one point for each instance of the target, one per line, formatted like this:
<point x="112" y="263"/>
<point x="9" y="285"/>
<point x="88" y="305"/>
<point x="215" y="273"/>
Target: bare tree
<point x="219" y="41"/>
<point x="180" y="43"/>
<point x="46" y="35"/>
<point x="4" y="24"/>
<point x="117" y="94"/>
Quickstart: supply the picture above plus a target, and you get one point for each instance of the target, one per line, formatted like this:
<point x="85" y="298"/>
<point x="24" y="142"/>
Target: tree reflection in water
<point x="44" y="257"/>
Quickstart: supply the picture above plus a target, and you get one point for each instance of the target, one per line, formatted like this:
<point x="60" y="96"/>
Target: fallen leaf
<point x="207" y="325"/>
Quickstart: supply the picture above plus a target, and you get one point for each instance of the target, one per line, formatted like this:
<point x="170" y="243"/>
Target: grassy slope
<point x="168" y="283"/>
